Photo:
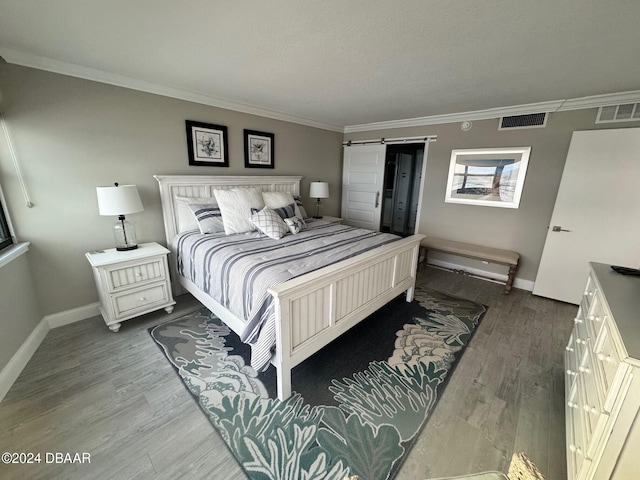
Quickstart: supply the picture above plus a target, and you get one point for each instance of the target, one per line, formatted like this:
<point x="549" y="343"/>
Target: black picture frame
<point x="258" y="149"/>
<point x="207" y="144"/>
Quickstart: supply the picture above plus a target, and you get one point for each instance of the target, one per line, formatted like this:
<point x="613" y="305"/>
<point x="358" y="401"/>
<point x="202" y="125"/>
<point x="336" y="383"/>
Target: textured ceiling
<point x="342" y="62"/>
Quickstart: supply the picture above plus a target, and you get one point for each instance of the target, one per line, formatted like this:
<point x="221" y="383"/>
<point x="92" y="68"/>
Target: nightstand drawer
<point x="122" y="277"/>
<point x="130" y="303"/>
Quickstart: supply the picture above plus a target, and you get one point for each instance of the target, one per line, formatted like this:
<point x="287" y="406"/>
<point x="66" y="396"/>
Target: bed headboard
<point x="173" y="186"/>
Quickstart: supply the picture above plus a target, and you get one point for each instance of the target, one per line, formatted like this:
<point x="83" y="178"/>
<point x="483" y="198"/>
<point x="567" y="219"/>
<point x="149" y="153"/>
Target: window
<point x="5" y="234"/>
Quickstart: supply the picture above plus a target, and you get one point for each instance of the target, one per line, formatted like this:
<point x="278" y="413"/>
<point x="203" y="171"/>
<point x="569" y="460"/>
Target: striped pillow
<point x="208" y="217"/>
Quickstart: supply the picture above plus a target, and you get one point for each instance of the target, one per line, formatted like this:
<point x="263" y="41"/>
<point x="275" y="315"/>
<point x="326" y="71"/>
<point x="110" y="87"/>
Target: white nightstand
<point x="327" y="218"/>
<point x="132" y="282"/>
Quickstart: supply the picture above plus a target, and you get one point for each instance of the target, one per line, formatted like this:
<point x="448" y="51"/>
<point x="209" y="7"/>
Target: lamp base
<point x="124" y="235"/>
<point x="124" y="249"/>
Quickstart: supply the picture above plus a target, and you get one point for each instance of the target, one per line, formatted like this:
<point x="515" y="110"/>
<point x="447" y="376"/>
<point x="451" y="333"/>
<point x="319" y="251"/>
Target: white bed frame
<point x="313" y="309"/>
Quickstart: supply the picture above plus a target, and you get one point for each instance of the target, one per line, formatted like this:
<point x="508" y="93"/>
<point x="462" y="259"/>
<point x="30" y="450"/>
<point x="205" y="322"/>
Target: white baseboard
<point x="517" y="283"/>
<point x="12" y="370"/>
<point x="74" y="315"/>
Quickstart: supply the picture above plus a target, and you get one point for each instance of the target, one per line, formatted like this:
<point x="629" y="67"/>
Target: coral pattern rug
<point x="358" y="404"/>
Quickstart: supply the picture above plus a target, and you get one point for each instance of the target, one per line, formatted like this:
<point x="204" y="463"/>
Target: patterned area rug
<point x="358" y="404"/>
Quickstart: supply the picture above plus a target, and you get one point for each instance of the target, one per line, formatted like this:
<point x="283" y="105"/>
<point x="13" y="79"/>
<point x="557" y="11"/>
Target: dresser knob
<point x="594" y="318"/>
<point x="571" y="404"/>
<point x="142" y="299"/>
<point x="568" y="349"/>
<point x="577" y="320"/>
<point x="604" y="358"/>
<point x="571" y="372"/>
<point x="584" y="369"/>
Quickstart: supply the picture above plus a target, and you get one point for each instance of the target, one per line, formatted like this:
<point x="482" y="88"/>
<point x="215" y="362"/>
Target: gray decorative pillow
<point x="303" y="212"/>
<point x="270" y="223"/>
<point x="295" y="224"/>
<point x="286" y="212"/>
<point x="208" y="217"/>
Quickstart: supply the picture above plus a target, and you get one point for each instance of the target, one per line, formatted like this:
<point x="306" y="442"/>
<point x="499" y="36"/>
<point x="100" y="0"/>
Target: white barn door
<point x="596" y="217"/>
<point x="362" y="182"/>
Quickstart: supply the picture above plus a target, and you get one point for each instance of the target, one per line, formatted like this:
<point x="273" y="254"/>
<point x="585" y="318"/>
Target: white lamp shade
<point x="319" y="190"/>
<point x="120" y="200"/>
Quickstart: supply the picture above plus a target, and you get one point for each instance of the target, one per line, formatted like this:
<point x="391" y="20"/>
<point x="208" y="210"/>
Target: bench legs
<point x="424" y="253"/>
<point x="510" y="278"/>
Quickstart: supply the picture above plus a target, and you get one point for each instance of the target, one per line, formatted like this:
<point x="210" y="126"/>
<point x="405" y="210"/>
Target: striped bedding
<point x="236" y="270"/>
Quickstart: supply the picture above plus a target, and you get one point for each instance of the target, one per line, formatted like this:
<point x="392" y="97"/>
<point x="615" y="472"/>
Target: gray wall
<point x="19" y="312"/>
<point x="524" y="229"/>
<point x="72" y="135"/>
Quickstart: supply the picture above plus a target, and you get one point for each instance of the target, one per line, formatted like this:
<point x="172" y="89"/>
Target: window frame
<point x="5" y="229"/>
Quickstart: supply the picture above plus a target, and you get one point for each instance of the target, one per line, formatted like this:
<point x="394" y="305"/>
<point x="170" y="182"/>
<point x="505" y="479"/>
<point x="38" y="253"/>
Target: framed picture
<point x="258" y="149"/>
<point x="207" y="144"/>
<point x="492" y="177"/>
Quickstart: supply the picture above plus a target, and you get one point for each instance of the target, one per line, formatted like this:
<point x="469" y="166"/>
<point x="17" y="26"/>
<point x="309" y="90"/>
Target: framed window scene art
<point x="207" y="144"/>
<point x="258" y="149"/>
<point x="491" y="177"/>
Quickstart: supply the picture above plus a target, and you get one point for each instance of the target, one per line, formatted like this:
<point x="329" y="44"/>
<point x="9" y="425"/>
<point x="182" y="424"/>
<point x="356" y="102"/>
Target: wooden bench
<point x="488" y="254"/>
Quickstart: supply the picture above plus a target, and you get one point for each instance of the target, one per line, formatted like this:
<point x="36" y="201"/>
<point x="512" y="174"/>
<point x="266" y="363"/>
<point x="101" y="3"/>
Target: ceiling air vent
<point x="532" y="120"/>
<point x="629" y="112"/>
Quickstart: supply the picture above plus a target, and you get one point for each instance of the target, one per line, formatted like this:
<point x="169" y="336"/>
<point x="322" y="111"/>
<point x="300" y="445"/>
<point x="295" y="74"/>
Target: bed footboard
<point x="318" y="307"/>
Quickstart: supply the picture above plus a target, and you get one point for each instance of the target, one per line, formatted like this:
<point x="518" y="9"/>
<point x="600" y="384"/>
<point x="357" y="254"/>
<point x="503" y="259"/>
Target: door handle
<point x="557" y="228"/>
<point x="377" y="199"/>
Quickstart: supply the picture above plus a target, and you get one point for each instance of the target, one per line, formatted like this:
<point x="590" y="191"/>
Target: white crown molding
<point x="491" y="113"/>
<point x="56" y="66"/>
<point x="18" y="57"/>
<point x="601" y="100"/>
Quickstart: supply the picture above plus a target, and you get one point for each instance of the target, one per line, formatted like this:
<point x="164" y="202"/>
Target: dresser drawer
<point x="571" y="356"/>
<point x="590" y="290"/>
<point x="576" y="442"/>
<point x="608" y="358"/>
<point x="130" y="303"/>
<point x="594" y="316"/>
<point x="591" y="401"/>
<point x="121" y="277"/>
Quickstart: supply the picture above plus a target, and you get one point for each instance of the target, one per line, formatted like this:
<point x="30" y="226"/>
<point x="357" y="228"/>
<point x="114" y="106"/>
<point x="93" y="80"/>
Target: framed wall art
<point x="207" y="144"/>
<point x="492" y="177"/>
<point x="258" y="149"/>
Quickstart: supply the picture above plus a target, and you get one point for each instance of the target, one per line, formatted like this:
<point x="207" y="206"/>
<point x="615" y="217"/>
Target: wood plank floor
<point x="116" y="397"/>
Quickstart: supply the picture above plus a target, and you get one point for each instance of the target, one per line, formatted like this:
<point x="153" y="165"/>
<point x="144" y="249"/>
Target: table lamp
<point x="318" y="190"/>
<point x="121" y="200"/>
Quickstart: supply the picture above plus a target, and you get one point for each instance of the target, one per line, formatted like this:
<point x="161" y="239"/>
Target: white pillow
<point x="270" y="223"/>
<point x="295" y="224"/>
<point x="279" y="200"/>
<point x="186" y="218"/>
<point x="235" y="205"/>
<point x="208" y="217"/>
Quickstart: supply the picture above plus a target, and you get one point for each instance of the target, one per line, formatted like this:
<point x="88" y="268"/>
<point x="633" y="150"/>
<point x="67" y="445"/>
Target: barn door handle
<point x="557" y="228"/>
<point x="377" y="199"/>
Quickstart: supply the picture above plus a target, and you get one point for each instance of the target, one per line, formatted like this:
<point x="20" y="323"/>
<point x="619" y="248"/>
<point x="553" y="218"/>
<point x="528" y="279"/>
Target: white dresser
<point x="602" y="379"/>
<point x="132" y="282"/>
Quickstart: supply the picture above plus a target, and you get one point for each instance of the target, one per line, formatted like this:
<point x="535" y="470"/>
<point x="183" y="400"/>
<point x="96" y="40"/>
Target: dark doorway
<point x="402" y="180"/>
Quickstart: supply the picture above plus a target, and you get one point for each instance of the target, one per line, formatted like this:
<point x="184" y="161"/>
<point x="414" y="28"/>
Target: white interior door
<point x="597" y="212"/>
<point x="362" y="182"/>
